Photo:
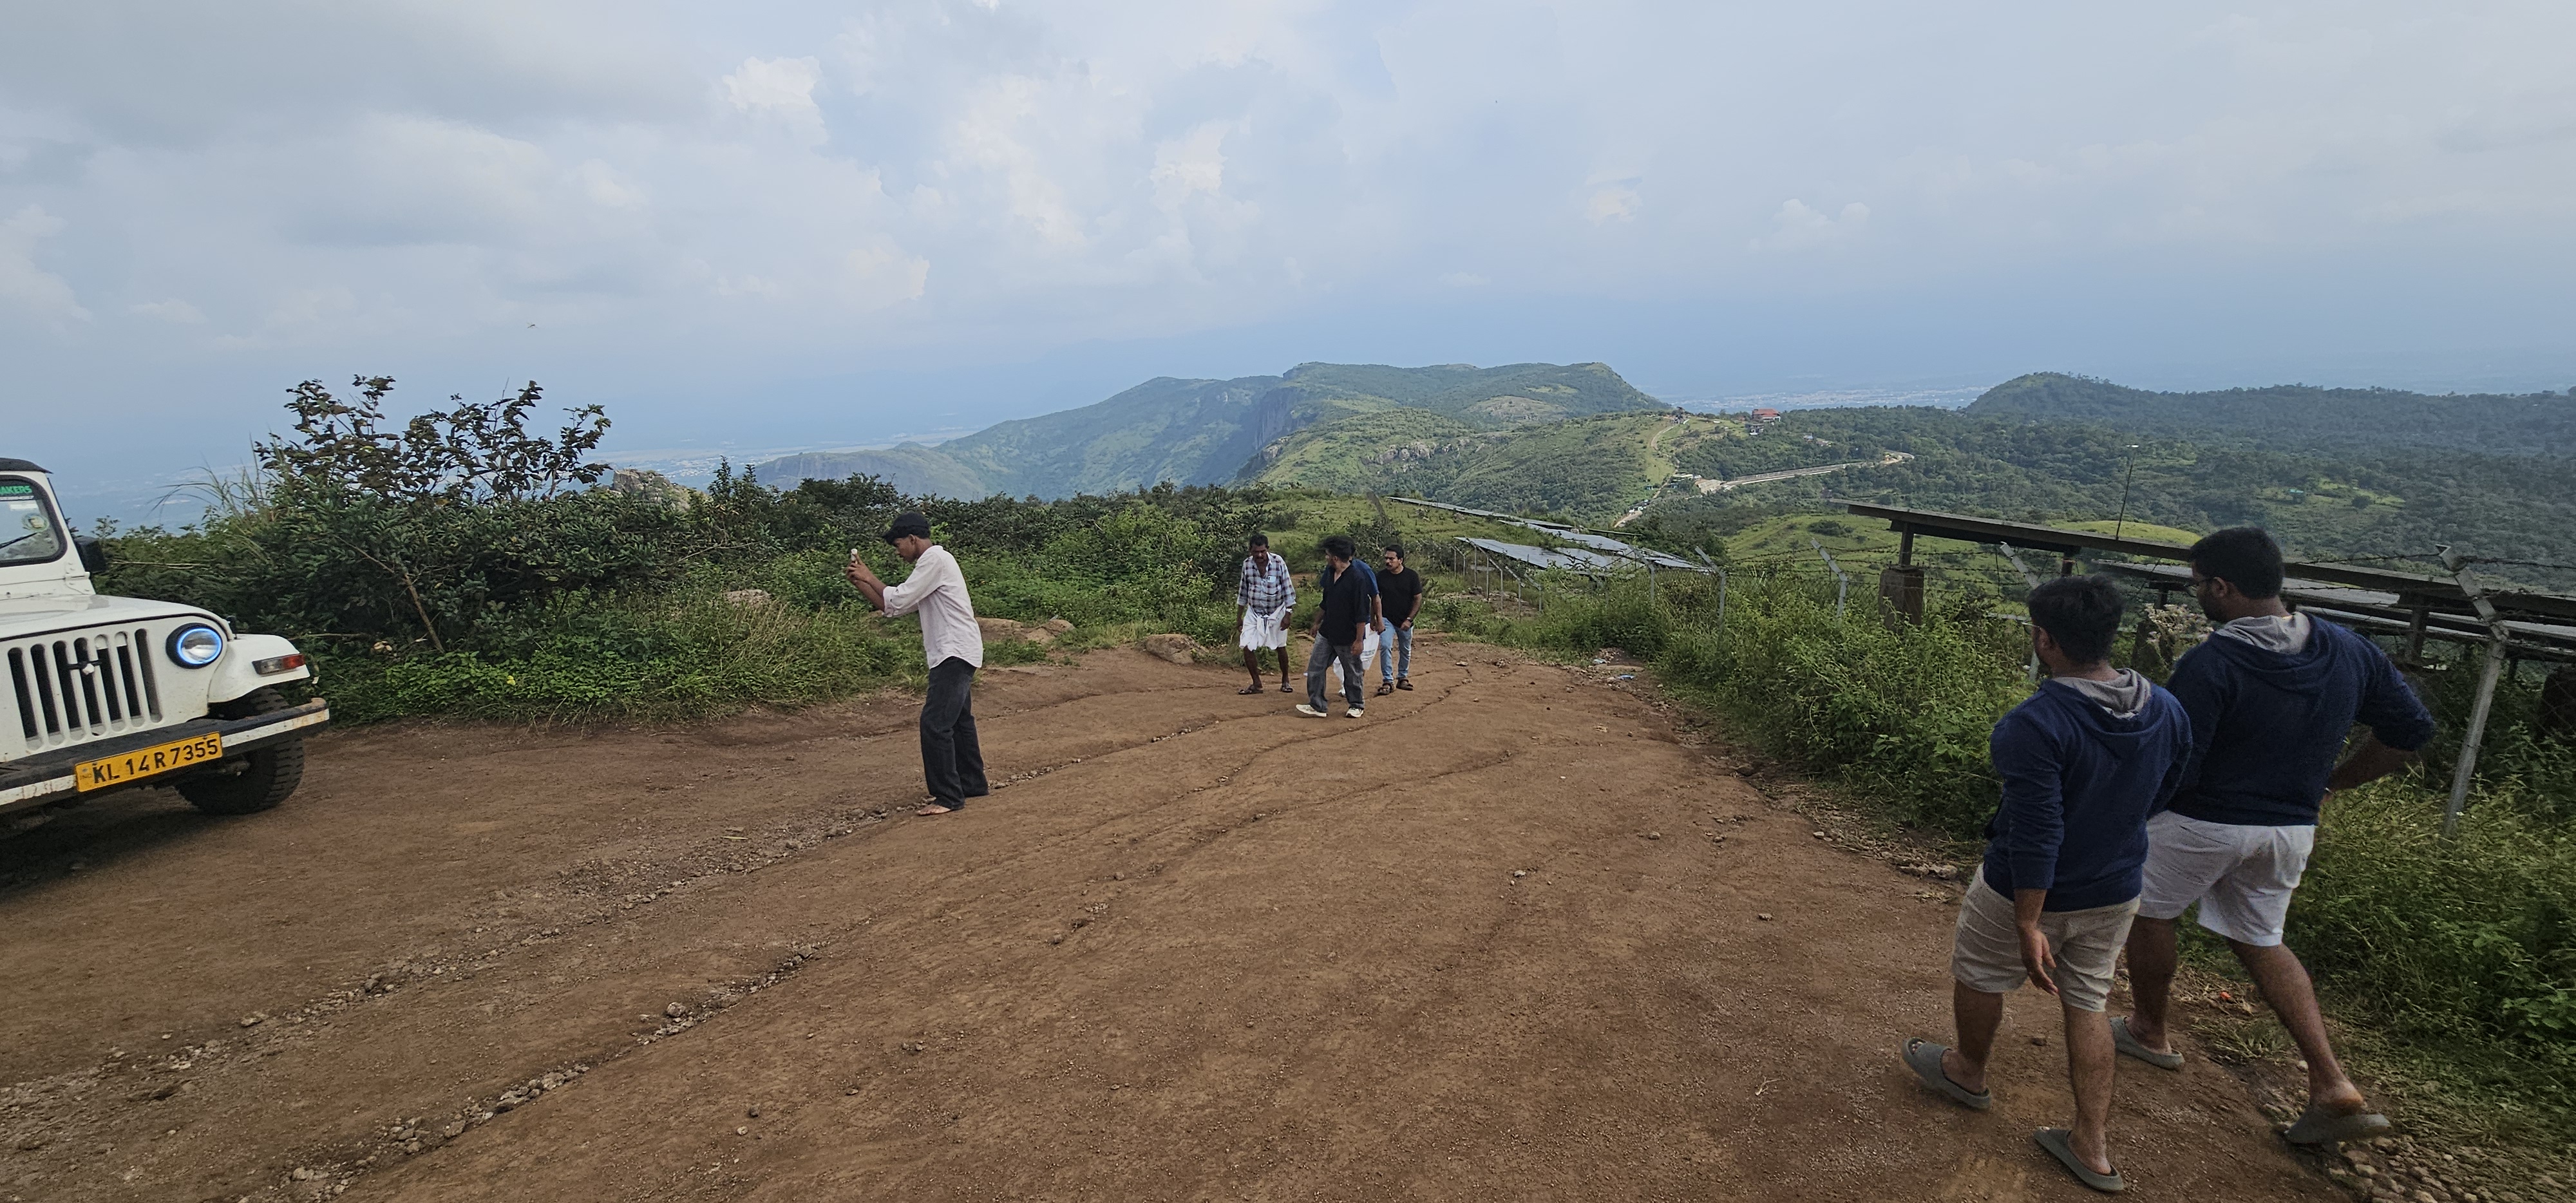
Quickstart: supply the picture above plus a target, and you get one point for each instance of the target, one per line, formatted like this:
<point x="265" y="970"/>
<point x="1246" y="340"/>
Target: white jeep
<point x="105" y="693"/>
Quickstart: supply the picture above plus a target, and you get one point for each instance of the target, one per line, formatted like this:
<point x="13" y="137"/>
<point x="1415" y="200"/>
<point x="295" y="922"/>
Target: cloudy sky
<point x="778" y="225"/>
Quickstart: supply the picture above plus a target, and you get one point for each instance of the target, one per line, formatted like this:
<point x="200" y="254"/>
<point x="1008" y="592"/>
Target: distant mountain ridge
<point x="1194" y="432"/>
<point x="2298" y="415"/>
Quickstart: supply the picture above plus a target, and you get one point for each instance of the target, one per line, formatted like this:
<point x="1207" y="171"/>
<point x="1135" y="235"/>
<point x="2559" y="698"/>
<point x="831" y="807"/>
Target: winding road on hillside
<point x="1508" y="937"/>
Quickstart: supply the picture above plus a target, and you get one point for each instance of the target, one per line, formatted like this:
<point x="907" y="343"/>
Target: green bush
<point x="1901" y="711"/>
<point x="2461" y="951"/>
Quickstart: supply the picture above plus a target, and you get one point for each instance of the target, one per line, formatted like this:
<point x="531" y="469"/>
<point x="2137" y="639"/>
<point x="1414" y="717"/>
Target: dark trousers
<point x="1320" y="660"/>
<point x="952" y="763"/>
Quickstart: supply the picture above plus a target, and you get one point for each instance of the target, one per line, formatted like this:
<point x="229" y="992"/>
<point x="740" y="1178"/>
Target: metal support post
<point x="1842" y="586"/>
<point x="2031" y="579"/>
<point x="2498" y="641"/>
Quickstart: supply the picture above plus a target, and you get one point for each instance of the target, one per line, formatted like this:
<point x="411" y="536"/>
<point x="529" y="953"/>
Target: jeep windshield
<point x="29" y="532"/>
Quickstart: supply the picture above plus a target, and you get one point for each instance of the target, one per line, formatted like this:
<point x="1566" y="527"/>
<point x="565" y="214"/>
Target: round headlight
<point x="196" y="645"/>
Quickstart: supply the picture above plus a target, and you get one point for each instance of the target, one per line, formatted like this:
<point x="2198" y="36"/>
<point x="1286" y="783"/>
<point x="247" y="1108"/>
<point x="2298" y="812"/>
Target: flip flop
<point x="2318" y="1128"/>
<point x="935" y="809"/>
<point x="1924" y="1058"/>
<point x="1283" y="688"/>
<point x="2128" y="1044"/>
<point x="2057" y="1142"/>
<point x="1249" y="690"/>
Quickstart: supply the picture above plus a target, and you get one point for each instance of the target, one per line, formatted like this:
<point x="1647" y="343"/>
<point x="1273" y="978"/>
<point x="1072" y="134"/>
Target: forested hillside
<point x="1208" y="431"/>
<point x="2298" y="416"/>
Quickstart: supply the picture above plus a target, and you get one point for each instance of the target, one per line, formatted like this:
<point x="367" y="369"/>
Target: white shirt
<point x="937" y="591"/>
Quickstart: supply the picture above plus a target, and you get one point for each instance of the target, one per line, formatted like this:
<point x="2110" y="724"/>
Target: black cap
<point x="909" y="522"/>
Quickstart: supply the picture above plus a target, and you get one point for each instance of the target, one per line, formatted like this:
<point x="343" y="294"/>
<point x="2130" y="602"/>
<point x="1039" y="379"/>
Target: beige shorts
<point x="1986" y="954"/>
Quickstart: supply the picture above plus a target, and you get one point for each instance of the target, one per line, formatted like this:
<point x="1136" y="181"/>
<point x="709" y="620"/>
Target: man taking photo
<point x="952" y="763"/>
<point x="2272" y="696"/>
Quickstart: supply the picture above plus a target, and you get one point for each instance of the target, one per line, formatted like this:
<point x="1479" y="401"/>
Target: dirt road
<point x="1483" y="944"/>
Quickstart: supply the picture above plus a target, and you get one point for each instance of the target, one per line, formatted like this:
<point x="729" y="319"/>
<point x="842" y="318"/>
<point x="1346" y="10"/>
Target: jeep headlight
<point x="196" y="645"/>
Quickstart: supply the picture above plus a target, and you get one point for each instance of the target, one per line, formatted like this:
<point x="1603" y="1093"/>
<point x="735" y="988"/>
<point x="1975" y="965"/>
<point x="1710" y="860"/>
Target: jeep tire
<point x="252" y="781"/>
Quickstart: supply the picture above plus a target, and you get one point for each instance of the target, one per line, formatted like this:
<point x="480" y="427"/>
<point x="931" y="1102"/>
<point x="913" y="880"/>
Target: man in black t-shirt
<point x="1400" y="590"/>
<point x="1340" y="623"/>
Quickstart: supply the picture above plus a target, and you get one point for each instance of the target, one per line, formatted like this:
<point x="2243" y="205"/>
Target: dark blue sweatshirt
<point x="2078" y="785"/>
<point x="2267" y="727"/>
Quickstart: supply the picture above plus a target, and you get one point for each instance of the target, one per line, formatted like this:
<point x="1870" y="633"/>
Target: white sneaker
<point x="1356" y="712"/>
<point x="1310" y="711"/>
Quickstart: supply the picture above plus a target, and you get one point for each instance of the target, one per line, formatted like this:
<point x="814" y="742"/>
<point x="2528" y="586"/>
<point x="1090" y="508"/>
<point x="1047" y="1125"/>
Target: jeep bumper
<point x="44" y="777"/>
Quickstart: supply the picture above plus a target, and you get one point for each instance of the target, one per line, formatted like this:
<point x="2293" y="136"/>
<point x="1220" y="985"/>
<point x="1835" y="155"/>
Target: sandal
<point x="1404" y="683"/>
<point x="2056" y="1141"/>
<point x="1285" y="688"/>
<point x="1249" y="690"/>
<point x="1924" y="1058"/>
<point x="1383" y="690"/>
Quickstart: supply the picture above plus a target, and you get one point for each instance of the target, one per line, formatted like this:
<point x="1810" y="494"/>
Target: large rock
<point x="1055" y="626"/>
<point x="1007" y="630"/>
<point x="1175" y="648"/>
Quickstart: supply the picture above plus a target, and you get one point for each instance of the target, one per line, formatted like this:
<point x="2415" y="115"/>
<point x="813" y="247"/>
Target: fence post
<point x="1842" y="586"/>
<point x="2031" y="579"/>
<point x="1721" y="585"/>
<point x="2498" y="638"/>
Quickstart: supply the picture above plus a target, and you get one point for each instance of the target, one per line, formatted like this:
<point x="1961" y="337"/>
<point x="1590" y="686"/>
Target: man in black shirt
<point x="1347" y="606"/>
<point x="1399" y="590"/>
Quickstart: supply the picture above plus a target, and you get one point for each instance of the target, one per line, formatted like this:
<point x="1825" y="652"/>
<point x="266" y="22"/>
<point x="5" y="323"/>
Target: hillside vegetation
<point x="1193" y="432"/>
<point x="2299" y="416"/>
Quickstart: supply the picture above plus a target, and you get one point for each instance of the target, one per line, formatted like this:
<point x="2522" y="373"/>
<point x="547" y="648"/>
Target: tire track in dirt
<point x="1349" y="996"/>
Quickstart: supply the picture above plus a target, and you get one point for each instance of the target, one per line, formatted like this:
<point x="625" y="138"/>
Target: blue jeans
<point x="1392" y="642"/>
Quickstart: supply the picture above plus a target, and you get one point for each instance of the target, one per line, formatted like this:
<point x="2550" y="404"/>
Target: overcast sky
<point x="831" y="224"/>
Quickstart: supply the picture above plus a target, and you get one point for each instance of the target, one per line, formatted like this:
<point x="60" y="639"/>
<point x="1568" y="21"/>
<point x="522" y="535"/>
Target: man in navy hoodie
<point x="2083" y="762"/>
<point x="2273" y="696"/>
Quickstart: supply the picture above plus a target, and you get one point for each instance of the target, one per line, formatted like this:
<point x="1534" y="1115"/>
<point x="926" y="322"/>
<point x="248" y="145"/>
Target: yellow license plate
<point x="146" y="762"/>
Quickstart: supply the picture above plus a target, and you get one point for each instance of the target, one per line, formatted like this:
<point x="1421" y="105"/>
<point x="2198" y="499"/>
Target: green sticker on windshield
<point x="17" y="490"/>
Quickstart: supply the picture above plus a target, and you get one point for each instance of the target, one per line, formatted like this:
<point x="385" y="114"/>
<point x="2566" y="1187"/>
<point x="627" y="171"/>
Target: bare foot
<point x="934" y="809"/>
<point x="1952" y="1067"/>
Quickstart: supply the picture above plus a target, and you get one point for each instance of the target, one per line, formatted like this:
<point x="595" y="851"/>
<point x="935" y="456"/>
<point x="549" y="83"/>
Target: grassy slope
<point x="1207" y="431"/>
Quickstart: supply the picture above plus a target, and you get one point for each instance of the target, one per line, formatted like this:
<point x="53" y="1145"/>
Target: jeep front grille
<point x="71" y="689"/>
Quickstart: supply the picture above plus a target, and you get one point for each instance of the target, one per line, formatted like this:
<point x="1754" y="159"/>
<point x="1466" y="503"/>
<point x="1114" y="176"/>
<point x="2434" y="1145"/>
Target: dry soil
<point x="1486" y="943"/>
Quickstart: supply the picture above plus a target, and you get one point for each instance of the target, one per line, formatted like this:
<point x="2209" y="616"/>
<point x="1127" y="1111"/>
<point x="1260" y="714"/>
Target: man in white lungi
<point x="1262" y="600"/>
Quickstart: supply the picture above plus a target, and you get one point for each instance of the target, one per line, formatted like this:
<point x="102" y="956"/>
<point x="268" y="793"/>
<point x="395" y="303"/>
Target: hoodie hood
<point x="2122" y="714"/>
<point x="2123" y="696"/>
<point x="2286" y="634"/>
<point x="2289" y="653"/>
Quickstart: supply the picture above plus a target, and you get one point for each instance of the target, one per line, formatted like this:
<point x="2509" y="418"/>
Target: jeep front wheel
<point x="254" y="780"/>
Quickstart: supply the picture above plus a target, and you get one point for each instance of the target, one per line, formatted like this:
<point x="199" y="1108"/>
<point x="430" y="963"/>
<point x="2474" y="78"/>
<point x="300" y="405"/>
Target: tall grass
<point x="2459" y="952"/>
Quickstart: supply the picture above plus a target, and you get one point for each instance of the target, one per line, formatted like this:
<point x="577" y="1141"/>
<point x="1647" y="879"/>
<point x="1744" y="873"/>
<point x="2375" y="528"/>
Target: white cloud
<point x="1795" y="227"/>
<point x="740" y="191"/>
<point x="1617" y="202"/>
<point x="785" y="84"/>
<point x="30" y="290"/>
<point x="173" y="310"/>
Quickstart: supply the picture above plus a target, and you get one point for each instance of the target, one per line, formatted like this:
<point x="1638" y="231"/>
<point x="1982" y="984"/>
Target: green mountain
<point x="2299" y="416"/>
<point x="1211" y="431"/>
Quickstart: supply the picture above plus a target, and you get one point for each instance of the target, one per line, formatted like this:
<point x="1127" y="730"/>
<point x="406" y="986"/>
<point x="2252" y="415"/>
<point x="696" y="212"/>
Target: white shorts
<point x="2242" y="877"/>
<point x="1263" y="630"/>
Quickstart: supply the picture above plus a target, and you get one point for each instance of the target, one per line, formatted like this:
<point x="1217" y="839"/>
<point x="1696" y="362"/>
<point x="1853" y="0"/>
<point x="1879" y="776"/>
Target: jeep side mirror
<point x="93" y="555"/>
